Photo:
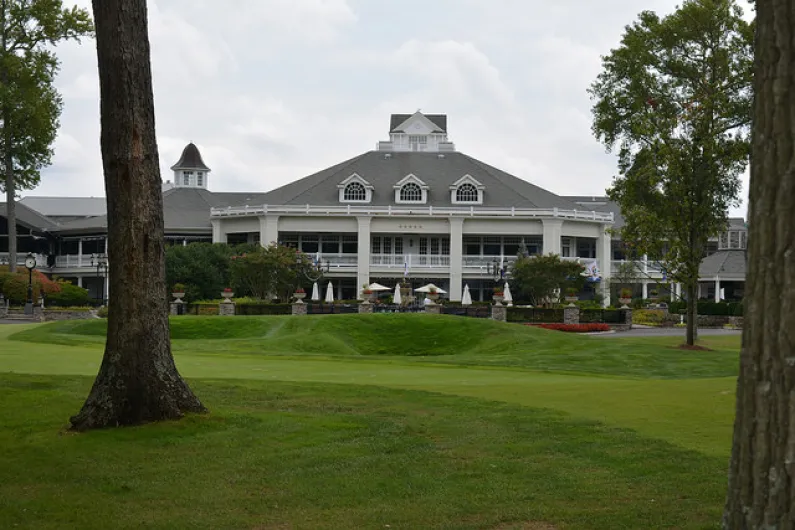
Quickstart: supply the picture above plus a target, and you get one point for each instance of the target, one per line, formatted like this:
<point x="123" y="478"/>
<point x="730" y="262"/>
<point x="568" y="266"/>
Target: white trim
<point x="411" y="178"/>
<point x="466" y="179"/>
<point x="355" y="177"/>
<point x="427" y="211"/>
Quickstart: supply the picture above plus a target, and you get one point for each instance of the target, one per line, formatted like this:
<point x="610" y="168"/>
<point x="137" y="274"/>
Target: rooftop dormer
<point x="417" y="132"/>
<point x="190" y="171"/>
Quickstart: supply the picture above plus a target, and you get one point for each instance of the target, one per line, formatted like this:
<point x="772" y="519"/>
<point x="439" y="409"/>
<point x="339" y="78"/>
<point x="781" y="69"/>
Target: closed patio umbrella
<point x="315" y="293"/>
<point x="329" y="293"/>
<point x="397" y="299"/>
<point x="466" y="299"/>
<point x="506" y="293"/>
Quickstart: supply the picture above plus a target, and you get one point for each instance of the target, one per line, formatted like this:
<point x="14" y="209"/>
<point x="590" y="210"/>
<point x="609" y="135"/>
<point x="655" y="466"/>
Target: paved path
<point x="666" y="332"/>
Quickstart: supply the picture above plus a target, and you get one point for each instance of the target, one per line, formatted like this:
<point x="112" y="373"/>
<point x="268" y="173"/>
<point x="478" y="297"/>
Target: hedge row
<point x="729" y="309"/>
<point x="574" y="328"/>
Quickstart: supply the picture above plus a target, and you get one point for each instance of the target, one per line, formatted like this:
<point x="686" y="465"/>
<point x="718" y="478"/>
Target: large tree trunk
<point x="762" y="471"/>
<point x="138" y="381"/>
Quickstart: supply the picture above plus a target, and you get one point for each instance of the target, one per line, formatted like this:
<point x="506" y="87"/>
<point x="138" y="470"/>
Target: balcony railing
<point x="478" y="262"/>
<point x="341" y="261"/>
<point x="414" y="211"/>
<point x="640" y="268"/>
<point x="413" y="261"/>
<point x="41" y="260"/>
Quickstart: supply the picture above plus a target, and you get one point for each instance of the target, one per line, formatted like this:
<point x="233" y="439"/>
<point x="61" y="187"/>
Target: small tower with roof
<point x="190" y="171"/>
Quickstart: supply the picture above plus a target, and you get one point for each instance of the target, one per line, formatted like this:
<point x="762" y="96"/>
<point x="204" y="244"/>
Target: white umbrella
<point x="467" y="298"/>
<point x="427" y="289"/>
<point x="397" y="298"/>
<point x="378" y="287"/>
<point x="329" y="293"/>
<point x="315" y="293"/>
<point x="506" y="295"/>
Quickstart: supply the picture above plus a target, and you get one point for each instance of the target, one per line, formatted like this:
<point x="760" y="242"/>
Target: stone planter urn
<point x="178" y="296"/>
<point x="571" y="299"/>
<point x="433" y="296"/>
<point x="227" y="295"/>
<point x="368" y="297"/>
<point x="299" y="297"/>
<point x="498" y="298"/>
<point x="625" y="301"/>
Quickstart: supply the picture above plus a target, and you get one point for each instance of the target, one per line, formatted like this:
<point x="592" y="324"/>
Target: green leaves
<point x="674" y="101"/>
<point x="537" y="278"/>
<point x="30" y="106"/>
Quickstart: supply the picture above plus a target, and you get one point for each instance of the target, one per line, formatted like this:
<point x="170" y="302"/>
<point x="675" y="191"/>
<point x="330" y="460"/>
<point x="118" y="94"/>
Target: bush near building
<point x="15" y="286"/>
<point x="731" y="309"/>
<point x="68" y="296"/>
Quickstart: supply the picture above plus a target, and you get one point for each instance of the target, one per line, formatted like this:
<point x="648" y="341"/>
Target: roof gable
<point x="401" y="122"/>
<point x="411" y="177"/>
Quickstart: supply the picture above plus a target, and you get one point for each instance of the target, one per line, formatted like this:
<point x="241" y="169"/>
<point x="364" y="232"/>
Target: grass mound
<point x="420" y="338"/>
<point x="285" y="455"/>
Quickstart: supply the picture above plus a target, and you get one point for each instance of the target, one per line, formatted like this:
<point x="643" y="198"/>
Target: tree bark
<point x="8" y="162"/>
<point x="138" y="381"/>
<point x="761" y="491"/>
<point x="692" y="313"/>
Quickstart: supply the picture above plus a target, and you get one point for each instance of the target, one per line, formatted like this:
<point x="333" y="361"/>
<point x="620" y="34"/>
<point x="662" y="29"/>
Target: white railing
<point x="73" y="260"/>
<point x="244" y="211"/>
<point x="477" y="262"/>
<point x="639" y="267"/>
<point x="400" y="261"/>
<point x="41" y="260"/>
<point x="341" y="261"/>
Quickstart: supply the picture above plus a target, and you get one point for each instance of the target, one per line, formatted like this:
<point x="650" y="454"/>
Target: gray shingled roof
<point x="66" y="206"/>
<point x="190" y="159"/>
<point x="384" y="169"/>
<point x="440" y="120"/>
<point x="30" y="218"/>
<point x="726" y="263"/>
<point x="598" y="204"/>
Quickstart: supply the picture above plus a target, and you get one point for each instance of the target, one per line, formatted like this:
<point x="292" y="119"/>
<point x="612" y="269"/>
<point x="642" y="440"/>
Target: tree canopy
<point x="541" y="280"/>
<point x="674" y="101"/>
<point x="30" y="106"/>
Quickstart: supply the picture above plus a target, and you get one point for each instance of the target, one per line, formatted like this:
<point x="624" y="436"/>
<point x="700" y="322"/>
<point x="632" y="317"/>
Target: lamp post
<point x="30" y="264"/>
<point x="101" y="263"/>
<point x="315" y="272"/>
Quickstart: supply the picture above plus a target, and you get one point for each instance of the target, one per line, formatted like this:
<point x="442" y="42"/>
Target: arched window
<point x="355" y="192"/>
<point x="466" y="193"/>
<point x="411" y="192"/>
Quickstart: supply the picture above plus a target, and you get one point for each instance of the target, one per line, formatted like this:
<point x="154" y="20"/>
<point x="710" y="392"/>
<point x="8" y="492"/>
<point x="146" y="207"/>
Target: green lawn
<point x="477" y="425"/>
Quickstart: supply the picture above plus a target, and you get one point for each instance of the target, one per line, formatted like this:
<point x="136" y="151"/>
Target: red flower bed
<point x="574" y="328"/>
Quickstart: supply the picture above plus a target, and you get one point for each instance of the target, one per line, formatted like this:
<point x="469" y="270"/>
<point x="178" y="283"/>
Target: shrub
<point x="15" y="286"/>
<point x="709" y="308"/>
<point x="69" y="295"/>
<point x="574" y="328"/>
<point x="648" y="317"/>
<point x="102" y="312"/>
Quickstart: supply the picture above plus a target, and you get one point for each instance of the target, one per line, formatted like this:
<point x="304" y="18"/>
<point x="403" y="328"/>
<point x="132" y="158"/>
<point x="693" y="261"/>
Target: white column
<point x="717" y="290"/>
<point x="553" y="230"/>
<point x="456" y="257"/>
<point x="219" y="235"/>
<point x="603" y="255"/>
<point x="644" y="290"/>
<point x="79" y="252"/>
<point x="363" y="254"/>
<point x="80" y="281"/>
<point x="268" y="230"/>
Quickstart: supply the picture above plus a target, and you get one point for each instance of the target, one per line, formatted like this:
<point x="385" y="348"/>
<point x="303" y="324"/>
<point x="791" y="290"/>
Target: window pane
<point x="376" y="248"/>
<point x="398" y="245"/>
<point x="309" y="244"/>
<point x="387" y="245"/>
<point x="331" y="244"/>
<point x="350" y="244"/>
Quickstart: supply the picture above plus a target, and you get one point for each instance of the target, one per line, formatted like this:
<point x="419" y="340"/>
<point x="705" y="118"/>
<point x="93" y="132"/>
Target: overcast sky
<point x="274" y="90"/>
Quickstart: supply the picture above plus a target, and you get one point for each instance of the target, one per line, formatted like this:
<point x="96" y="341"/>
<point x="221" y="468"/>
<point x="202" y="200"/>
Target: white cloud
<point x="273" y="90"/>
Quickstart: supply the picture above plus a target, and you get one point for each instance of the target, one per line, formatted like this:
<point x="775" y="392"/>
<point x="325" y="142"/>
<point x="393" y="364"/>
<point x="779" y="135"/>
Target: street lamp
<point x="30" y="264"/>
<point x="315" y="272"/>
<point x="101" y="263"/>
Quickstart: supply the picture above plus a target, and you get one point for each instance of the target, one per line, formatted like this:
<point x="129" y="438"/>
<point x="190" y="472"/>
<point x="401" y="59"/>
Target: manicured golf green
<point x="573" y="431"/>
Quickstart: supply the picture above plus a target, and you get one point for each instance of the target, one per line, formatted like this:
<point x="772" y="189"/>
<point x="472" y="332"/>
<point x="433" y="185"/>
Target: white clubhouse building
<point x="414" y="207"/>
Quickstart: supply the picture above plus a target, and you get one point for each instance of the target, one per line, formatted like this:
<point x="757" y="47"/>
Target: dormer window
<point x="410" y="193"/>
<point x="355" y="192"/>
<point x="466" y="193"/>
<point x="411" y="190"/>
<point x="466" y="190"/>
<point x="355" y="189"/>
<point x="200" y="178"/>
<point x="186" y="177"/>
